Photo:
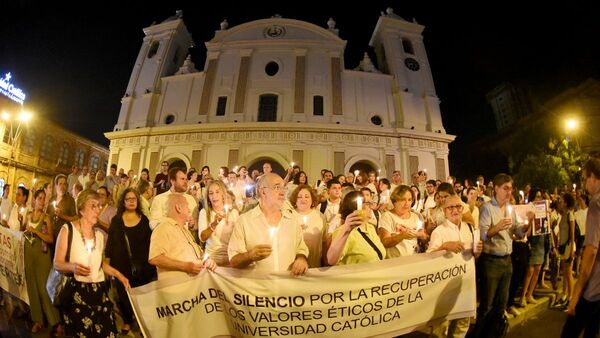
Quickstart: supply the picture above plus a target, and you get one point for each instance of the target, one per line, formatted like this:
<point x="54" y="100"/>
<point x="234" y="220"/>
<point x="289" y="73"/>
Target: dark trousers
<point x="520" y="263"/>
<point x="587" y="317"/>
<point x="495" y="282"/>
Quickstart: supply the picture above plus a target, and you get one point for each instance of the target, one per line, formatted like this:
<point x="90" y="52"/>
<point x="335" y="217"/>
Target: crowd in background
<point x="182" y="222"/>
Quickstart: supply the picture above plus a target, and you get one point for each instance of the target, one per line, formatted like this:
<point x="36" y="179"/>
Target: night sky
<point x="74" y="63"/>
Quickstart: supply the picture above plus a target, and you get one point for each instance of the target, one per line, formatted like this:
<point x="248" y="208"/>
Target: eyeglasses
<point x="131" y="199"/>
<point x="276" y="187"/>
<point x="458" y="207"/>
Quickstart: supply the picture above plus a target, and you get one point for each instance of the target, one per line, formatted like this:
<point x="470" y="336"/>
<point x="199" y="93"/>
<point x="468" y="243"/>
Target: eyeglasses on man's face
<point x="457" y="207"/>
<point x="276" y="187"/>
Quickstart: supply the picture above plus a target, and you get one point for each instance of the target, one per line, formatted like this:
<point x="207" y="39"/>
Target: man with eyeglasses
<point x="456" y="236"/>
<point x="498" y="223"/>
<point x="269" y="237"/>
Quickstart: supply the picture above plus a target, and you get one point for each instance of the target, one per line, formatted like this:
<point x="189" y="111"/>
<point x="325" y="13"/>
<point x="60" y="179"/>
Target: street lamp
<point x="571" y="124"/>
<point x="13" y="127"/>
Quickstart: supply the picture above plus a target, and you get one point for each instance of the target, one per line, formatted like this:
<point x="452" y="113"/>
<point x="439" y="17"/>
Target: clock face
<point x="411" y="64"/>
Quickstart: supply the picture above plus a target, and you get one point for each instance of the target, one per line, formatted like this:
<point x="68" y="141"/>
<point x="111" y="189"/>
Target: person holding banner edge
<point x="455" y="236"/>
<point x="173" y="249"/>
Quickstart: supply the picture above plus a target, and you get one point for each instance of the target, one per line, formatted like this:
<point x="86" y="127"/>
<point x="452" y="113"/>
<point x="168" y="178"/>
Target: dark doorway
<point x="267" y="108"/>
<point x="258" y="165"/>
<point x="364" y="167"/>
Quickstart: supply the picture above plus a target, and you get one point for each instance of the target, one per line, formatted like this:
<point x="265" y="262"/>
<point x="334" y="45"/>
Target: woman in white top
<point x="215" y="223"/>
<point x="91" y="311"/>
<point x="304" y="199"/>
<point x="400" y="228"/>
<point x="418" y="202"/>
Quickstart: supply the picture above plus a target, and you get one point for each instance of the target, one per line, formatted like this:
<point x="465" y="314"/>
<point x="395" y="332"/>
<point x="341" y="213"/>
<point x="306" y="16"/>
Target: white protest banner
<point x="12" y="263"/>
<point x="385" y="298"/>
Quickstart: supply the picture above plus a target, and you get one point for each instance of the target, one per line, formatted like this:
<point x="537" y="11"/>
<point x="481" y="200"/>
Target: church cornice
<point x="284" y="128"/>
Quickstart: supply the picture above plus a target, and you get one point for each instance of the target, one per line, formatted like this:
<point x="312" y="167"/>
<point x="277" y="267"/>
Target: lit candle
<point x="230" y="186"/>
<point x="292" y="164"/>
<point x="54" y="204"/>
<point x="356" y="172"/>
<point x="522" y="194"/>
<point x="34" y="180"/>
<point x="379" y="171"/>
<point x="419" y="224"/>
<point x="227" y="206"/>
<point x="134" y="177"/>
<point x="425" y="170"/>
<point x="4" y="217"/>
<point x="377" y="178"/>
<point x="220" y="171"/>
<point x="477" y="184"/>
<point x="509" y="210"/>
<point x="304" y="219"/>
<point x="574" y="186"/>
<point x="235" y="168"/>
<point x="22" y="210"/>
<point x="205" y="258"/>
<point x="89" y="246"/>
<point x="240" y="203"/>
<point x="359" y="201"/>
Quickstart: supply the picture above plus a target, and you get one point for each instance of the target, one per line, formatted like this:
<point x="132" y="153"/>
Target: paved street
<point x="547" y="323"/>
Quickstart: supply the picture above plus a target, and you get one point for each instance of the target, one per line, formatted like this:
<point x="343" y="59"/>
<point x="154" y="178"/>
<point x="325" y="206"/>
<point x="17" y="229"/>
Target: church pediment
<point x="276" y="29"/>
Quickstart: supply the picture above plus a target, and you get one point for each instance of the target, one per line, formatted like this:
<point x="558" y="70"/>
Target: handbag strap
<point x="370" y="243"/>
<point x="127" y="242"/>
<point x="70" y="239"/>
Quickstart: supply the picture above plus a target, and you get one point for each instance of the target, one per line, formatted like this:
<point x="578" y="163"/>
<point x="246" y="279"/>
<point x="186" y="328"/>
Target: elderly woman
<point x="37" y="264"/>
<point x="127" y="250"/>
<point x="356" y="240"/>
<point x="314" y="227"/>
<point x="90" y="313"/>
<point x="400" y="227"/>
<point x="215" y="223"/>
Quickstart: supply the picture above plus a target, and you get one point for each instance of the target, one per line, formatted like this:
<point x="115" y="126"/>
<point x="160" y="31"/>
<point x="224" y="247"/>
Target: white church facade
<point x="278" y="90"/>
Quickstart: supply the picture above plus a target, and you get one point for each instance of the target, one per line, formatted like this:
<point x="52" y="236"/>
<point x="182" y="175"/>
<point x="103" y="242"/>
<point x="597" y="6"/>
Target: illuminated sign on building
<point x="9" y="90"/>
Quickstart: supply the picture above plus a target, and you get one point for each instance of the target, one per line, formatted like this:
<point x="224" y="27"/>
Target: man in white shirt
<point x="332" y="204"/>
<point x="173" y="249"/>
<point x="455" y="236"/>
<point x="7" y="203"/>
<point x="396" y="180"/>
<point x="238" y="188"/>
<point x="73" y="177"/>
<point x="15" y="218"/>
<point x="430" y="197"/>
<point x="267" y="237"/>
<point x="179" y="185"/>
<point x="84" y="177"/>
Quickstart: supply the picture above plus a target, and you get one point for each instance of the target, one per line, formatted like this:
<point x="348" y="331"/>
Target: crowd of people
<point x="135" y="229"/>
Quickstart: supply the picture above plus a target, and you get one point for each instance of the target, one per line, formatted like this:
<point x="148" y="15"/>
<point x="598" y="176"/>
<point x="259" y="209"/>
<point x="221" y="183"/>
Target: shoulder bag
<point x="59" y="286"/>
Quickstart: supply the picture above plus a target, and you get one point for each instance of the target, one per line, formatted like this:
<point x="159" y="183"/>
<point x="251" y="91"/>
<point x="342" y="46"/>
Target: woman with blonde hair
<point x="314" y="227"/>
<point x="215" y="222"/>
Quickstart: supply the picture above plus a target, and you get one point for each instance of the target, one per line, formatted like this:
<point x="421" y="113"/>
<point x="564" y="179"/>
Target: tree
<point x="553" y="166"/>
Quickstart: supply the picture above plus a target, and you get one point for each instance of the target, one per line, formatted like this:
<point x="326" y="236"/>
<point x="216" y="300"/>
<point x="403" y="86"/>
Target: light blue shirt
<point x="501" y="244"/>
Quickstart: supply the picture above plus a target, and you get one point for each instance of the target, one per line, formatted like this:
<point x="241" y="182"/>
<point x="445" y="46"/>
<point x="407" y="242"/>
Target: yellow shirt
<point x="357" y="249"/>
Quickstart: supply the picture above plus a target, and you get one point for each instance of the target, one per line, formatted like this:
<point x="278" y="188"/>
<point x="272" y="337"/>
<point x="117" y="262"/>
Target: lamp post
<point x="13" y="128"/>
<point x="571" y="125"/>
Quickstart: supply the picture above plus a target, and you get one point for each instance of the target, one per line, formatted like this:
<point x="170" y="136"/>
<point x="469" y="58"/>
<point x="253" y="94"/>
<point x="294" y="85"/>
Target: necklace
<point x="83" y="238"/>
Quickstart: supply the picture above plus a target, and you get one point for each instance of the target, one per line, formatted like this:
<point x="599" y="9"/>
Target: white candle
<point x="230" y="186"/>
<point x="22" y="210"/>
<point x="356" y="172"/>
<point x="359" y="201"/>
<point x="425" y="170"/>
<point x="54" y="204"/>
<point x="89" y="246"/>
<point x="240" y="203"/>
<point x="304" y="219"/>
<point x="477" y="184"/>
<point x="509" y="211"/>
<point x="273" y="237"/>
<point x="419" y="225"/>
<point x="379" y="171"/>
<point x="227" y="206"/>
<point x="4" y="217"/>
<point x="205" y="258"/>
<point x="377" y="178"/>
<point x="292" y="164"/>
<point x="574" y="186"/>
<point x="235" y="168"/>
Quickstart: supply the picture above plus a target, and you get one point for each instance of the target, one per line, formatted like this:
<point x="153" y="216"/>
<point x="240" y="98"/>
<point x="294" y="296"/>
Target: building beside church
<point x="278" y="90"/>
